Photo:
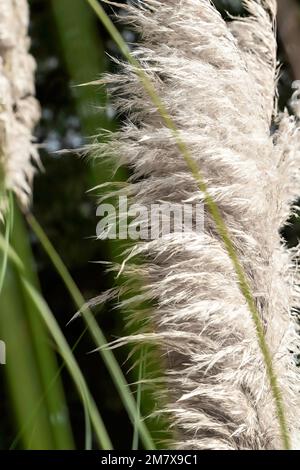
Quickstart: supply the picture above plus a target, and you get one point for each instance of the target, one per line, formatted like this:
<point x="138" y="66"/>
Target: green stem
<point x="8" y="229"/>
<point x="215" y="214"/>
<point x="45" y="357"/>
<point x="42" y="398"/>
<point x="30" y="357"/>
<point x="71" y="364"/>
<point x="135" y="440"/>
<point x="95" y="331"/>
<point x="49" y="320"/>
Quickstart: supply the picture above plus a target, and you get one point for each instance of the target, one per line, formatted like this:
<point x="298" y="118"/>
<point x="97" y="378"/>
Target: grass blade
<point x="135" y="440"/>
<point x="64" y="349"/>
<point x="95" y="331"/>
<point x="46" y="360"/>
<point x="71" y="364"/>
<point x="28" y="350"/>
<point x="84" y="57"/>
<point x="41" y="399"/>
<point x="21" y="369"/>
<point x="7" y="231"/>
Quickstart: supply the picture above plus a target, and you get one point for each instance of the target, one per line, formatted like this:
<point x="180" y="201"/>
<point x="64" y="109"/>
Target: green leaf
<point x="96" y="333"/>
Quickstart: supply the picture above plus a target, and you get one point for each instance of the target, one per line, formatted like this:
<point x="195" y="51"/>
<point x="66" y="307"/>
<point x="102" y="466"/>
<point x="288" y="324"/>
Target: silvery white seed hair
<point x="218" y="82"/>
<point x="19" y="111"/>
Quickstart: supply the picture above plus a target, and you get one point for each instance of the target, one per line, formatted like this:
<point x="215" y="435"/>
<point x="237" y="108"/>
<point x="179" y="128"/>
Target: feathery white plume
<point x="218" y="82"/>
<point x="19" y="111"/>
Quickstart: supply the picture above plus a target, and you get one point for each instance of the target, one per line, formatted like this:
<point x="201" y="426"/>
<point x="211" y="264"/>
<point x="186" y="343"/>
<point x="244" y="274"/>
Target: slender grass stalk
<point x="50" y="429"/>
<point x="95" y="331"/>
<point x="12" y="255"/>
<point x="21" y="372"/>
<point x="64" y="349"/>
<point x="8" y="229"/>
<point x="30" y="358"/>
<point x="45" y="357"/>
<point x="214" y="212"/>
<point x="88" y="431"/>
<point x="135" y="440"/>
<point x="84" y="57"/>
<point x="83" y="54"/>
<point x="42" y="397"/>
<point x="67" y="355"/>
